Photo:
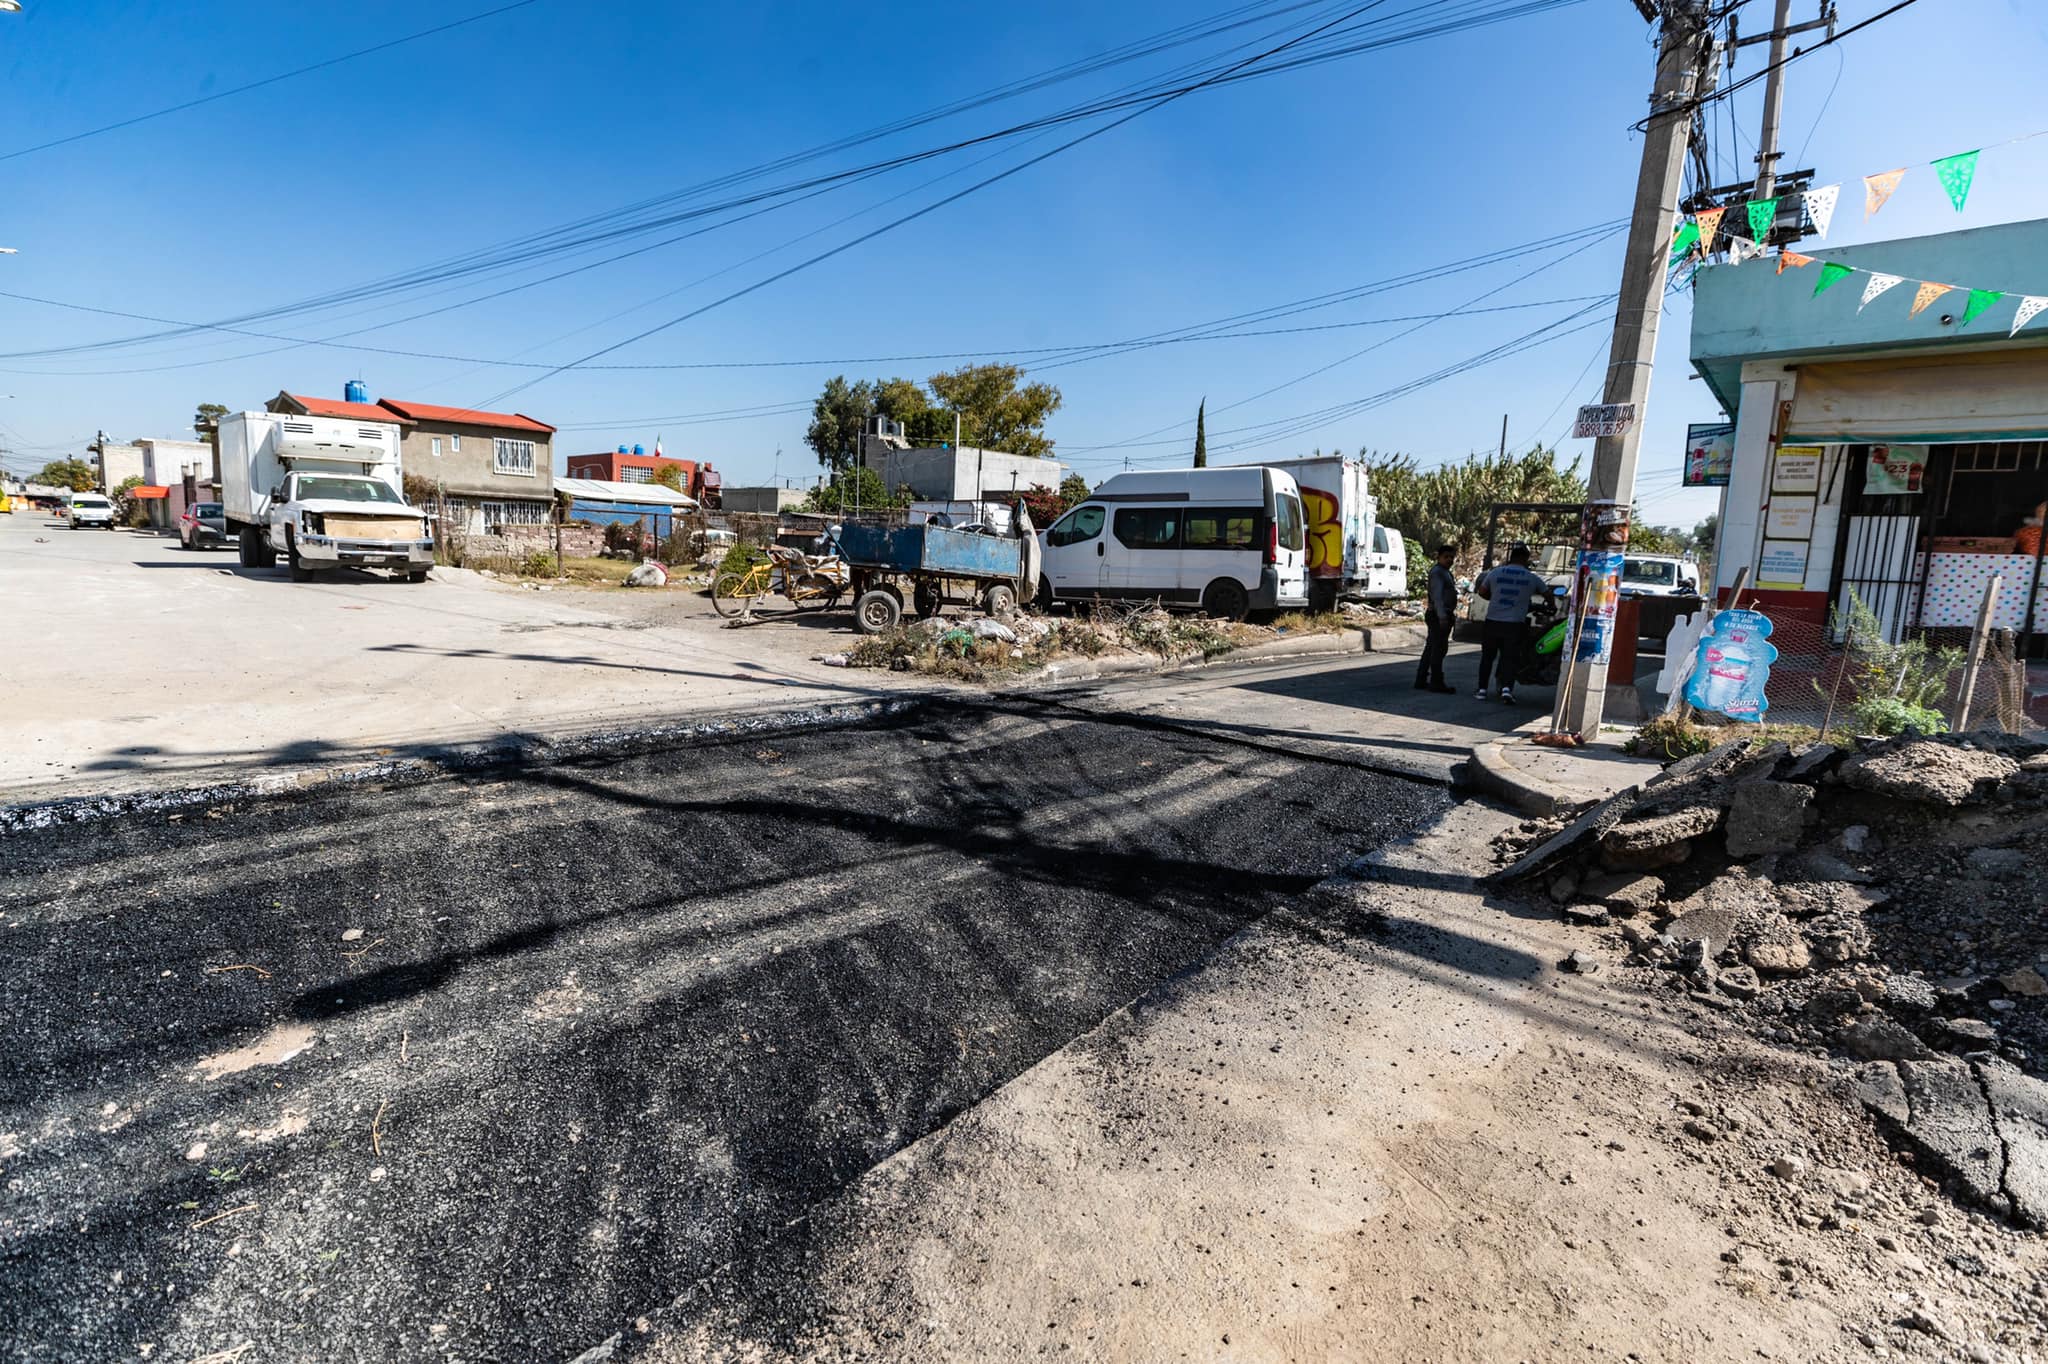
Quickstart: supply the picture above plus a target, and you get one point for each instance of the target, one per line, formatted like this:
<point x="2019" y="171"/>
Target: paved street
<point x="484" y="1068"/>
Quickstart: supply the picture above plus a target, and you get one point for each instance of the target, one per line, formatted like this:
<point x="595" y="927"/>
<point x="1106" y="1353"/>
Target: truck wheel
<point x="926" y="600"/>
<point x="1322" y="596"/>
<point x="999" y="600"/>
<point x="256" y="551"/>
<point x="1225" y="598"/>
<point x="1044" y="600"/>
<point x="877" y="610"/>
<point x="418" y="575"/>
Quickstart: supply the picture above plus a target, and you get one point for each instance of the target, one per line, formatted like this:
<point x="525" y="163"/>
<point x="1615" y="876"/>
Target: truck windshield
<point x="345" y="490"/>
<point x="1649" y="572"/>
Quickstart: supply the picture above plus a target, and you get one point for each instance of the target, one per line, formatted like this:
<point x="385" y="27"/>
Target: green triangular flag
<point x="1956" y="173"/>
<point x="1831" y="274"/>
<point x="1762" y="213"/>
<point x="1980" y="299"/>
<point x="1682" y="241"/>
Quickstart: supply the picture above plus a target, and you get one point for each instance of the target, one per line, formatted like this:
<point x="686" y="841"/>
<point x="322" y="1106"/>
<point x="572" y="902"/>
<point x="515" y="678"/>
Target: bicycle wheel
<point x="810" y="592"/>
<point x="731" y="593"/>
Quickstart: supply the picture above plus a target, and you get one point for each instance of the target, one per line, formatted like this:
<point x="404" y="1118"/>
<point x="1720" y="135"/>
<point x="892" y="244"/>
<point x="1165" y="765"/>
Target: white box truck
<point x="1350" y="554"/>
<point x="320" y="492"/>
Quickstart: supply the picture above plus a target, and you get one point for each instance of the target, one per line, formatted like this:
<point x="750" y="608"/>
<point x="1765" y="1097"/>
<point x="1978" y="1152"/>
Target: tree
<point x="208" y="415"/>
<point x="122" y="495"/>
<point x="837" y="418"/>
<point x="1074" y="488"/>
<point x="1202" y="435"/>
<point x="995" y="413"/>
<point x="1449" y="504"/>
<point x="900" y="399"/>
<point x="670" y="476"/>
<point x="852" y="488"/>
<point x="1655" y="539"/>
<point x="74" y="474"/>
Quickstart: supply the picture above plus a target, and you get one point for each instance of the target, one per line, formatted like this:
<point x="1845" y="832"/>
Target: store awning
<point x="145" y="492"/>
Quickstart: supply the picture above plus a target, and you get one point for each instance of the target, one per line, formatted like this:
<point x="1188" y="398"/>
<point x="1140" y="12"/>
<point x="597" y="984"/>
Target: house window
<point x="494" y="517"/>
<point x="513" y="457"/>
<point x="636" y="475"/>
<point x="526" y="514"/>
<point x="437" y="447"/>
<point x="455" y="444"/>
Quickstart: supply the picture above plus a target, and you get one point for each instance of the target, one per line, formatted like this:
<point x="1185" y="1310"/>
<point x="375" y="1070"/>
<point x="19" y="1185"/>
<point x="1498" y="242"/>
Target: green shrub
<point x="1888" y="715"/>
<point x="1671" y="737"/>
<point x="741" y="557"/>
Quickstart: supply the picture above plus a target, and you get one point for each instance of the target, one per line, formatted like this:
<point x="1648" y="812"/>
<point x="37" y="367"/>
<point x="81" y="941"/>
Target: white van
<point x="1226" y="540"/>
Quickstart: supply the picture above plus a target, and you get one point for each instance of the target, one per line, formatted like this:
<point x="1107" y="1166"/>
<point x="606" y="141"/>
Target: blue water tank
<point x="638" y="450"/>
<point x="355" y="391"/>
<point x="622" y="449"/>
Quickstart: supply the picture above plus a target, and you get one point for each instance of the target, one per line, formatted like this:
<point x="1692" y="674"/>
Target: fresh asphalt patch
<point x="484" y="1067"/>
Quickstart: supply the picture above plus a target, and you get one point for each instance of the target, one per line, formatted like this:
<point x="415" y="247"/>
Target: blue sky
<point x="1227" y="201"/>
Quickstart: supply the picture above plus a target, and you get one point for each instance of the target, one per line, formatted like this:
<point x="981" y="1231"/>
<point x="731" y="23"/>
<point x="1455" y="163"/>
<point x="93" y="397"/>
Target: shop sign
<point x="1796" y="469"/>
<point x="1732" y="664"/>
<point x="1791" y="518"/>
<point x="1604" y="419"/>
<point x="1709" y="454"/>
<point x="1895" y="470"/>
<point x="1782" y="565"/>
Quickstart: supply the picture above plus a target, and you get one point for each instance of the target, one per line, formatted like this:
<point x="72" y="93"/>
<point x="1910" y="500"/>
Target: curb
<point x="1491" y="771"/>
<point x="1379" y="639"/>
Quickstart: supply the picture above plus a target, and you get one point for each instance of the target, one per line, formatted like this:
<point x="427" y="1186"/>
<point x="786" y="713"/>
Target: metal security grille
<point x="1877" y="554"/>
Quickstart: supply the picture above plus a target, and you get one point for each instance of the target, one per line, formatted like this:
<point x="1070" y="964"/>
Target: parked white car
<point x="1227" y="541"/>
<point x="1659" y="575"/>
<point x="91" y="509"/>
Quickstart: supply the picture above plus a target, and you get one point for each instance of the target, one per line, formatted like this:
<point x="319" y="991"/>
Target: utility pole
<point x="1767" y="152"/>
<point x="1683" y="59"/>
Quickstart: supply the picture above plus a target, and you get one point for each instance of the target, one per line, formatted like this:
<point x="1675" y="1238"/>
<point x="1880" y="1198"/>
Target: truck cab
<point x="347" y="520"/>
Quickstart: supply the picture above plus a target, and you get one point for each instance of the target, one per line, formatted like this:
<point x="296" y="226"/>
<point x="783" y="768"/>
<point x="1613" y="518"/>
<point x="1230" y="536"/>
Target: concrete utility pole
<point x="1774" y="104"/>
<point x="1682" y="59"/>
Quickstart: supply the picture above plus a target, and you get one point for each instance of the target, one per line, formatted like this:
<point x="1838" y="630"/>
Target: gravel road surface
<point x="483" y="1068"/>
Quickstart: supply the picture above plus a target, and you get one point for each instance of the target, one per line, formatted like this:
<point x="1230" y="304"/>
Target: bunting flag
<point x="1762" y="213"/>
<point x="1929" y="291"/>
<point x="1792" y="259"/>
<point x="2030" y="308"/>
<point x="1878" y="188"/>
<point x="1980" y="299"/>
<point x="1741" y="249"/>
<point x="1956" y="172"/>
<point x="1709" y="220"/>
<point x="1682" y="241"/>
<point x="1820" y="206"/>
<point x="1831" y="274"/>
<point x="1878" y="284"/>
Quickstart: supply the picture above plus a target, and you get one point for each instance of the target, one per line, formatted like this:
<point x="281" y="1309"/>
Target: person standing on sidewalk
<point x="1508" y="591"/>
<point x="1440" y="615"/>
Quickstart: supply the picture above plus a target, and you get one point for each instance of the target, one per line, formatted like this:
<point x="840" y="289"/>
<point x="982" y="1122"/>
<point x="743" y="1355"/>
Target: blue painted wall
<point x="1750" y="312"/>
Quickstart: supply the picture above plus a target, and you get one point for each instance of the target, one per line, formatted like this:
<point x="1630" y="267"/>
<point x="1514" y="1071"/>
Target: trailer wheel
<point x="927" y="600"/>
<point x="878" y="609"/>
<point x="256" y="551"/>
<point x="1322" y="596"/>
<point x="999" y="600"/>
<point x="1225" y="598"/>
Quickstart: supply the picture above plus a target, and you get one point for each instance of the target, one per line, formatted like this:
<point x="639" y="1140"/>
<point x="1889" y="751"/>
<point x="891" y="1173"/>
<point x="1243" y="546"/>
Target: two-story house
<point x="493" y="469"/>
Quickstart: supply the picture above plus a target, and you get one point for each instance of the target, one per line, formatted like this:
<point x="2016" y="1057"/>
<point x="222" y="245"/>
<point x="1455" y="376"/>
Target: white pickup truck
<point x="321" y="493"/>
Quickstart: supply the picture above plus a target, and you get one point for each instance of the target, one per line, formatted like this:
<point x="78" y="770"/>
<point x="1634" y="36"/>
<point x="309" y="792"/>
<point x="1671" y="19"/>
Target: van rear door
<point x="1289" y="543"/>
<point x="1387" y="565"/>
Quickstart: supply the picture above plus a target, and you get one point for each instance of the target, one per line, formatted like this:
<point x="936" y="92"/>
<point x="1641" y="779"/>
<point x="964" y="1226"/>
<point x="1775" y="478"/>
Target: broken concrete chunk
<point x="1926" y="771"/>
<point x="1778" y="950"/>
<point x="1739" y="982"/>
<point x="1950" y="1121"/>
<point x="1661" y="831"/>
<point x="1878" y="1038"/>
<point x="1581" y="963"/>
<point x="1579" y="832"/>
<point x="1625" y="892"/>
<point x="2025" y="982"/>
<point x="1996" y="864"/>
<point x="1909" y="992"/>
<point x="2019" y="1108"/>
<point x="1811" y="763"/>
<point x="1649" y="859"/>
<point x="1766" y="817"/>
<point x="1586" y="915"/>
<point x="1563" y="887"/>
<point x="1970" y="1032"/>
<point x="1837" y="938"/>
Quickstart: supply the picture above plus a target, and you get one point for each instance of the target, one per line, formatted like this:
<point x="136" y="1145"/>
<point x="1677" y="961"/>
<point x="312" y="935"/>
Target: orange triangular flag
<point x="1878" y="188"/>
<point x="1792" y="258"/>
<point x="1709" y="220"/>
<point x="1929" y="291"/>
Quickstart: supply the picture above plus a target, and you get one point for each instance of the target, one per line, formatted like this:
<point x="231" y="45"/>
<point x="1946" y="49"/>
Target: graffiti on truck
<point x="1325" y="532"/>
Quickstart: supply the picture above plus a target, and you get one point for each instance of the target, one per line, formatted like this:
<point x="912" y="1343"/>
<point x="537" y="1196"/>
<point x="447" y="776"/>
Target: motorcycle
<point x="1543" y="646"/>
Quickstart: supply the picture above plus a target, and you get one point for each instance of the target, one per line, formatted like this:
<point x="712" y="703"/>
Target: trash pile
<point x="1884" y="906"/>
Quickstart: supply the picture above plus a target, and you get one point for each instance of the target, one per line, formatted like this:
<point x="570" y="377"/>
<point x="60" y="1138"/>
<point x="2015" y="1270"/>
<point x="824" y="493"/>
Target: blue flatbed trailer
<point x="933" y="565"/>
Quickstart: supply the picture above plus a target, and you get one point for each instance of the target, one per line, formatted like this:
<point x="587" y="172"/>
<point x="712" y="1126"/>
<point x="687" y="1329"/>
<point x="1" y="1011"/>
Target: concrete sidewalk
<point x="1540" y="780"/>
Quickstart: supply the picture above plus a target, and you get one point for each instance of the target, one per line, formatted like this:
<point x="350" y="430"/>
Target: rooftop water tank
<point x="622" y="449"/>
<point x="355" y="391"/>
<point x="638" y="450"/>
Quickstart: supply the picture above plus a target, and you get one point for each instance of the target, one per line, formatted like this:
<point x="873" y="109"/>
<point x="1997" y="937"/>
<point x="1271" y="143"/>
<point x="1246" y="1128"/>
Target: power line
<point x="267" y="80"/>
<point x="1726" y="91"/>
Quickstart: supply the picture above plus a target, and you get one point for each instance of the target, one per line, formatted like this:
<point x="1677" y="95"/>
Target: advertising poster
<point x="1796" y="469"/>
<point x="1709" y="454"/>
<point x="1895" y="470"/>
<point x="1599" y="593"/>
<point x="1732" y="666"/>
<point x="1782" y="565"/>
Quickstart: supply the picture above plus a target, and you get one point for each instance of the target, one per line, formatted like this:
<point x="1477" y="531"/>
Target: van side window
<point x="1221" y="528"/>
<point x="1082" y="523"/>
<point x="1290" y="522"/>
<point x="1148" y="527"/>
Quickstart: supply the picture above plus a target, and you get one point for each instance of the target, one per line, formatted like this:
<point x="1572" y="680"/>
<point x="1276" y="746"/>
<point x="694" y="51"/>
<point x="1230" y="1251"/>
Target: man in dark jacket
<point x="1439" y="615"/>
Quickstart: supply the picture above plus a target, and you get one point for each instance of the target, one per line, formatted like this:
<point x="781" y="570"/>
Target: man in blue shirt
<point x="1508" y="591"/>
